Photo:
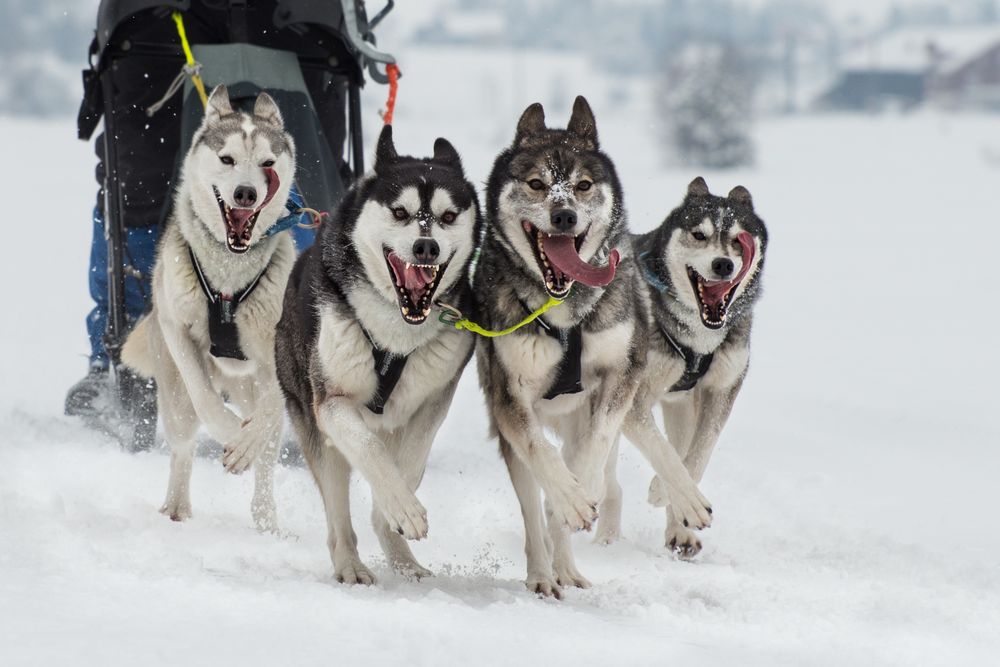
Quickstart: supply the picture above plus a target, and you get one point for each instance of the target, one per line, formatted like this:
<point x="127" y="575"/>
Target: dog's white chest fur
<point x="345" y="356"/>
<point x="532" y="362"/>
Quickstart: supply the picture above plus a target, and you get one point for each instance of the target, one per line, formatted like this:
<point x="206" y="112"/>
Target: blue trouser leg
<point x="140" y="252"/>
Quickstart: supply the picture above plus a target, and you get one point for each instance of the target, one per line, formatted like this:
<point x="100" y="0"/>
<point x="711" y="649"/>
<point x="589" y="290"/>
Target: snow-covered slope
<point x="854" y="488"/>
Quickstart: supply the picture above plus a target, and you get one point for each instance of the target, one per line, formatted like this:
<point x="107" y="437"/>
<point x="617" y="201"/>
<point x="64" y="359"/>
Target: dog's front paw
<point x="353" y="571"/>
<point x="404" y="513"/>
<point x="411" y="570"/>
<point x="568" y="575"/>
<point x="682" y="542"/>
<point x="544" y="586"/>
<point x="572" y="507"/>
<point x="688" y="507"/>
<point x="178" y="509"/>
<point x="239" y="454"/>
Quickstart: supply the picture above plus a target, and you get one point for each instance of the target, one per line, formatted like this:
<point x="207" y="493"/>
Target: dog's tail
<point x="136" y="353"/>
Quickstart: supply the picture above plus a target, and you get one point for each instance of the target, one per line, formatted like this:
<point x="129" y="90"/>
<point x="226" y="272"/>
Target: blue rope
<point x="295" y="215"/>
<point x="651" y="277"/>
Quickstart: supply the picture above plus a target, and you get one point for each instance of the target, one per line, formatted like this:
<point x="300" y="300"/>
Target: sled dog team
<point x="600" y="329"/>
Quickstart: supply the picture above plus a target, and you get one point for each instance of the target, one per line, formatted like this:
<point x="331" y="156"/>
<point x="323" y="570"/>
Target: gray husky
<point x="702" y="268"/>
<point x="556" y="229"/>
<point x="367" y="376"/>
<point x="217" y="287"/>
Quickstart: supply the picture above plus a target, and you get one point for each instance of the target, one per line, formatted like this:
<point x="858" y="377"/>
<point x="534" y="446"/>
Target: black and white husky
<point x="556" y="228"/>
<point x="217" y="293"/>
<point x="367" y="375"/>
<point x="702" y="268"/>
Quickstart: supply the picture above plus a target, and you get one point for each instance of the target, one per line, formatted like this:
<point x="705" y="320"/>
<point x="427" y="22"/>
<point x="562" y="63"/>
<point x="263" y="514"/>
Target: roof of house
<point x="919" y="49"/>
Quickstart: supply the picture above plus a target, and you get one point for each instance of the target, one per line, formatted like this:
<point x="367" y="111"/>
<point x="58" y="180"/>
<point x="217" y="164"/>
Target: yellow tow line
<point x="453" y="316"/>
<point x="192" y="64"/>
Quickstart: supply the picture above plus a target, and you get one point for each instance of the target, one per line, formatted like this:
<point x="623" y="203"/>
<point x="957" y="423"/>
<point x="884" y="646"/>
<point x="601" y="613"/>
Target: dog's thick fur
<point x="677" y="255"/>
<point x="536" y="179"/>
<point x="344" y="298"/>
<point x="172" y="342"/>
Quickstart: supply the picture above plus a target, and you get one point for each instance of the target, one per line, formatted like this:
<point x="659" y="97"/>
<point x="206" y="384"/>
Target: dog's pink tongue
<point x="413" y="278"/>
<point x="713" y="293"/>
<point x="561" y="251"/>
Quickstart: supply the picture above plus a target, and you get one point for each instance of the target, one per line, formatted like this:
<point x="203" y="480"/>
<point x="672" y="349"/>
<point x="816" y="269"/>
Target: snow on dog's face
<point x="415" y="230"/>
<point x="239" y="169"/>
<point x="714" y="249"/>
<point x="558" y="201"/>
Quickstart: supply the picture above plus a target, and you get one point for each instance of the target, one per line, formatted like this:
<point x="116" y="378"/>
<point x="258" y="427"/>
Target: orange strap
<point x="392" y="71"/>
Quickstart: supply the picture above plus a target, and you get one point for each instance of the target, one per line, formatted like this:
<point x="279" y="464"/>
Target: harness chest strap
<point x="388" y="369"/>
<point x="569" y="373"/>
<point x="222" y="330"/>
<point x="695" y="365"/>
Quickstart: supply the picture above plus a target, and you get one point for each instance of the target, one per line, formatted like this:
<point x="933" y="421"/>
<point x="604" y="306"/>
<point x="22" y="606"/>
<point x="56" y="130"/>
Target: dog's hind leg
<point x="609" y="526"/>
<point x="537" y="546"/>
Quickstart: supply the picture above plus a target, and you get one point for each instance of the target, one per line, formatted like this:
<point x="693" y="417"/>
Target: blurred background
<point x="850" y="482"/>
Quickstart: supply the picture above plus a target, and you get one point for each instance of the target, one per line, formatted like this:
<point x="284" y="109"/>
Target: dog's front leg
<point x="340" y="419"/>
<point x="260" y="399"/>
<point x="689" y="504"/>
<point x="413" y="445"/>
<point x="714" y="407"/>
<point x="222" y="424"/>
<point x="522" y="430"/>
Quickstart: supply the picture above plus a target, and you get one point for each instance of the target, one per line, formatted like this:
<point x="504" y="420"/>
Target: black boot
<point x="91" y="396"/>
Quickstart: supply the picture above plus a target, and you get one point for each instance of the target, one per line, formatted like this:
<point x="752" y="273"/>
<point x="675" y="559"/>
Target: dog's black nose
<point x="563" y="219"/>
<point x="722" y="266"/>
<point x="426" y="250"/>
<point x="245" y="195"/>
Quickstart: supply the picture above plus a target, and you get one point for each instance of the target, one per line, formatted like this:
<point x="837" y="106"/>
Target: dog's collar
<point x="569" y="374"/>
<point x="695" y="365"/>
<point x="222" y="330"/>
<point x="650" y="275"/>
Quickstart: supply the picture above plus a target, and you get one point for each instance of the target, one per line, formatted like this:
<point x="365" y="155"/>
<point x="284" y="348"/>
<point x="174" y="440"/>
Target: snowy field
<point x="854" y="487"/>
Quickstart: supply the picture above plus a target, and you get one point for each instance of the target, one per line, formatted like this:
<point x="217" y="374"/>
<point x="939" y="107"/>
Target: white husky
<point x="217" y="293"/>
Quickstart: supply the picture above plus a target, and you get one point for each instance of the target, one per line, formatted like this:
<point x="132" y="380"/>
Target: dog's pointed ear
<point x="218" y="103"/>
<point x="698" y="188"/>
<point x="445" y="153"/>
<point x="266" y="108"/>
<point x="385" y="151"/>
<point x="741" y="195"/>
<point x="532" y="122"/>
<point x="581" y="122"/>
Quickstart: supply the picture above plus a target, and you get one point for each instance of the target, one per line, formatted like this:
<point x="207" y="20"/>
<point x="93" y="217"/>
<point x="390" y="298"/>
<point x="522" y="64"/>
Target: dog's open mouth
<point x="240" y="221"/>
<point x="715" y="296"/>
<point x="415" y="285"/>
<point x="559" y="260"/>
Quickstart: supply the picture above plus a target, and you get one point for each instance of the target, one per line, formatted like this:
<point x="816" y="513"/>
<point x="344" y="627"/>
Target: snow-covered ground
<point x="854" y="487"/>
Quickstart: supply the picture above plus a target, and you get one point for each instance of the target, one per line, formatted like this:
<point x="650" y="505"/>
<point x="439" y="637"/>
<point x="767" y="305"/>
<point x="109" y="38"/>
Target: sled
<point x="246" y="69"/>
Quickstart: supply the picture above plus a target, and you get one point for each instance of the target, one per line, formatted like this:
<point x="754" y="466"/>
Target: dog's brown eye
<point x="536" y="184"/>
<point x="448" y="217"/>
<point x="698" y="236"/>
<point x="400" y="213"/>
<point x="227" y="160"/>
<point x="583" y="185"/>
<point x="267" y="163"/>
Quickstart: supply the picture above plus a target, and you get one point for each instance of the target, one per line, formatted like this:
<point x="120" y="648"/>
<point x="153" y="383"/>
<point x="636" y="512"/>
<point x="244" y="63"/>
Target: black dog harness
<point x="222" y="329"/>
<point x="388" y="368"/>
<point x="695" y="365"/>
<point x="568" y="373"/>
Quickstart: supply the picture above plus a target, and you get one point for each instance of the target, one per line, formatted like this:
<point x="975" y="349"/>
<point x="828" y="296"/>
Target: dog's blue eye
<point x="535" y="184"/>
<point x="698" y="236"/>
<point x="227" y="160"/>
<point x="400" y="213"/>
<point x="267" y="163"/>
